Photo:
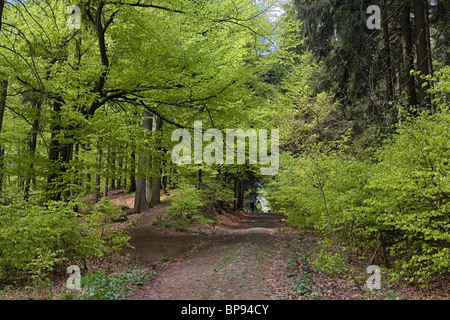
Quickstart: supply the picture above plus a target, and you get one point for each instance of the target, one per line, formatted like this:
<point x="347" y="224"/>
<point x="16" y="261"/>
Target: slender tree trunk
<point x="113" y="170"/>
<point x="235" y="202"/>
<point x="238" y="194"/>
<point x="53" y="179"/>
<point x="429" y="60"/>
<point x="156" y="164"/>
<point x="3" y="95"/>
<point x="2" y="167"/>
<point x="148" y="124"/>
<point x="199" y="178"/>
<point x="421" y="51"/>
<point x="120" y="175"/>
<point x="164" y="182"/>
<point x="88" y="175"/>
<point x="105" y="181"/>
<point x="77" y="171"/>
<point x="133" y="173"/>
<point x="32" y="144"/>
<point x="388" y="65"/>
<point x="2" y="5"/>
<point x="97" y="195"/>
<point x="408" y="65"/>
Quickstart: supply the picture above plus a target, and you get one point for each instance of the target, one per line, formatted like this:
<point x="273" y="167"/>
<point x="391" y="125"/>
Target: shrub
<point x="36" y="240"/>
<point x="103" y="286"/>
<point x="410" y="195"/>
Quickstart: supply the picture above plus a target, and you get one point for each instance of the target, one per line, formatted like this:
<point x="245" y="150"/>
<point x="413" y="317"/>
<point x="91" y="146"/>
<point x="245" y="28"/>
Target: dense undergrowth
<point x="390" y="206"/>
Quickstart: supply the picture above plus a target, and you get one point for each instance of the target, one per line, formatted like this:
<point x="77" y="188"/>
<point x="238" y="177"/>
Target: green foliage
<point x="103" y="286"/>
<point x="402" y="197"/>
<point x="186" y="199"/>
<point x="100" y="225"/>
<point x="184" y="209"/>
<point x="301" y="285"/>
<point x="191" y="205"/>
<point x="328" y="261"/>
<point x="410" y="194"/>
<point x="37" y="240"/>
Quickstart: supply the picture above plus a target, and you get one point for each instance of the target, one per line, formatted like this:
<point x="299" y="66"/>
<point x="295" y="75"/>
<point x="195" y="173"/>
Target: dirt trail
<point x="233" y="263"/>
<point x="248" y="258"/>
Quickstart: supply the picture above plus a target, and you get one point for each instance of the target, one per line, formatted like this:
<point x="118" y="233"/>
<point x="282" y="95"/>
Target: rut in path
<point x="231" y="264"/>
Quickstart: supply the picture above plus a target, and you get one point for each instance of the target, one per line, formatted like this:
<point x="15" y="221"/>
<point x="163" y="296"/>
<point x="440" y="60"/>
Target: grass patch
<point x="101" y="285"/>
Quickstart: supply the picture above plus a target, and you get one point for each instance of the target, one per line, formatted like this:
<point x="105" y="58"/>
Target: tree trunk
<point x="140" y="198"/>
<point x="199" y="179"/>
<point x="97" y="175"/>
<point x="133" y="173"/>
<point x="429" y="60"/>
<point x="388" y="66"/>
<point x="88" y="175"/>
<point x="238" y="194"/>
<point x="408" y="65"/>
<point x="421" y="51"/>
<point x="113" y="171"/>
<point x="156" y="165"/>
<point x="53" y="182"/>
<point x="148" y="124"/>
<point x="32" y="143"/>
<point x="120" y="175"/>
<point x="3" y="94"/>
<point x="105" y="182"/>
<point x="164" y="183"/>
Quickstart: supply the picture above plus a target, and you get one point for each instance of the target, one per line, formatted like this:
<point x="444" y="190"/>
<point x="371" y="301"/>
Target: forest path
<point x="249" y="257"/>
<point x="233" y="263"/>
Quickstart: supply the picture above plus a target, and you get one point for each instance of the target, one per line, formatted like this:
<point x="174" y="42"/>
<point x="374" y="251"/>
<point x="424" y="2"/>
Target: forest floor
<point x="245" y="256"/>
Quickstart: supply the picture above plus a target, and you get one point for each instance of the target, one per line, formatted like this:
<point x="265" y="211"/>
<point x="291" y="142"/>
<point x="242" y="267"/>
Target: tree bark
<point x="32" y="144"/>
<point x="388" y="65"/>
<point x="421" y="51"/>
<point x="199" y="179"/>
<point x="148" y="124"/>
<point x="429" y="60"/>
<point x="133" y="173"/>
<point x="105" y="181"/>
<point x="98" y="195"/>
<point x="238" y="194"/>
<point x="3" y="95"/>
<point x="140" y="198"/>
<point x="113" y="171"/>
<point x="156" y="165"/>
<point x="408" y="65"/>
<point x="54" y="154"/>
<point x="2" y="5"/>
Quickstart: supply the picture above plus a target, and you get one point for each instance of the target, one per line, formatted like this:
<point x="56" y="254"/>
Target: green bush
<point x="410" y="195"/>
<point x="186" y="207"/>
<point x="399" y="203"/>
<point x="186" y="199"/>
<point x="37" y="240"/>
